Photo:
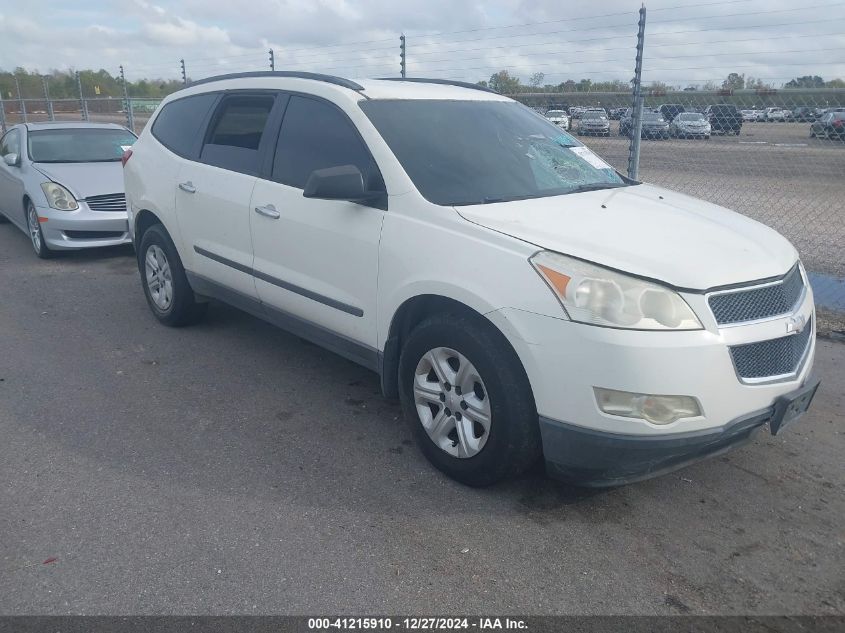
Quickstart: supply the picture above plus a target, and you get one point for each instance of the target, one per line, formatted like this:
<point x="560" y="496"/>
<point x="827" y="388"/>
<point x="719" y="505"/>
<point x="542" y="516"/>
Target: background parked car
<point x="62" y="184"/>
<point x="654" y="126"/>
<point x="724" y="118"/>
<point x="775" y="114"/>
<point x="804" y="114"/>
<point x="831" y="125"/>
<point x="594" y="122"/>
<point x="616" y="113"/>
<point x="670" y="111"/>
<point x="690" y="125"/>
<point x="559" y="118"/>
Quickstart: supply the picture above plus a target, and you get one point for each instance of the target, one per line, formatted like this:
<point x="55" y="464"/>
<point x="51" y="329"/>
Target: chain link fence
<point x="100" y="110"/>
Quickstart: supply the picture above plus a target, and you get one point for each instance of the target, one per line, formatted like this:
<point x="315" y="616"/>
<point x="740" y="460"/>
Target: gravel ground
<point x="232" y="468"/>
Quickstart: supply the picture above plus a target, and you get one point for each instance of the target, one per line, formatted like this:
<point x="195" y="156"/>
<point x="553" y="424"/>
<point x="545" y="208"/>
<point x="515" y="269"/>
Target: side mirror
<point x="11" y="160"/>
<point x="340" y="183"/>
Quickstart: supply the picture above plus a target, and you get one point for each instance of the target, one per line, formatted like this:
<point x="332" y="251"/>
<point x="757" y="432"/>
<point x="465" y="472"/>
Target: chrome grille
<point x="107" y="202"/>
<point x="775" y="357"/>
<point x="761" y="302"/>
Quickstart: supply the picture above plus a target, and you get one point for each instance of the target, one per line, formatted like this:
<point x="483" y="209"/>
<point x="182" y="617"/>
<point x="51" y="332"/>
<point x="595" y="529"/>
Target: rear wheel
<point x="467" y="398"/>
<point x="166" y="286"/>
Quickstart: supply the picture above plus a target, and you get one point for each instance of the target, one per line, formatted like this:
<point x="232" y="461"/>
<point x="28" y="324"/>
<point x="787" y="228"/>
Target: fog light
<point x="653" y="408"/>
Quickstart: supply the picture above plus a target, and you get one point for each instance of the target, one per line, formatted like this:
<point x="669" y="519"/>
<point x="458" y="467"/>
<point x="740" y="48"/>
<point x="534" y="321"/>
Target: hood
<point x="84" y="180"/>
<point x="647" y="231"/>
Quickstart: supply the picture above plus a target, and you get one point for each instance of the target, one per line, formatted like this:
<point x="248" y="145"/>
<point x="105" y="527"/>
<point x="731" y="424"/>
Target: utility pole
<point x="20" y="99"/>
<point x="184" y="74"/>
<point x="272" y="60"/>
<point x="637" y="105"/>
<point x="402" y="55"/>
<point x="127" y="102"/>
<point x="83" y="107"/>
<point x="44" y="83"/>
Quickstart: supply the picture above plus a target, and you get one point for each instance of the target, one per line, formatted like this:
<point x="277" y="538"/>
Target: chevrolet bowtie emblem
<point x="796" y="324"/>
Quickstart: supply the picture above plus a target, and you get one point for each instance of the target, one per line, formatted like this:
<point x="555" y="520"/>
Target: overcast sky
<point x="461" y="39"/>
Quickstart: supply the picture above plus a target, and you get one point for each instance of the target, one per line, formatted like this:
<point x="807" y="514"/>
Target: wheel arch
<point x="407" y="316"/>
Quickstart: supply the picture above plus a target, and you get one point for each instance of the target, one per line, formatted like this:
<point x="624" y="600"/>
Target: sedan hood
<point x="647" y="231"/>
<point x="84" y="180"/>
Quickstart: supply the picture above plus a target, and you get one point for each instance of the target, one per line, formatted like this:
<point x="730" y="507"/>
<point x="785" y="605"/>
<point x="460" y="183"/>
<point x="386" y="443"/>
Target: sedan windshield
<point x="690" y="116"/>
<point x="78" y="145"/>
<point x="476" y="152"/>
<point x="555" y="113"/>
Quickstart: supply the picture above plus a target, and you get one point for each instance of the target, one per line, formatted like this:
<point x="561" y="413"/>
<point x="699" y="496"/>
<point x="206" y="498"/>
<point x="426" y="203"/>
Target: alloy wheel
<point x="159" y="277"/>
<point x="34" y="228"/>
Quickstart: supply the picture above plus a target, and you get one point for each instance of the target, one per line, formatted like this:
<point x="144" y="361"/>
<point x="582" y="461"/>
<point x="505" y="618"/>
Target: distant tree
<point x="567" y="86"/>
<point x="807" y="81"/>
<point x="755" y="83"/>
<point x="503" y="83"/>
<point x="734" y="81"/>
<point x="835" y="83"/>
<point x="659" y="86"/>
<point x="481" y="83"/>
<point x="536" y="79"/>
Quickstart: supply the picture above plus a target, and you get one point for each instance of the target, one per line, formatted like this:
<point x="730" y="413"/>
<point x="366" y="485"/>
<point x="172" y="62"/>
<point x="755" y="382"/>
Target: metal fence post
<point x="184" y="74"/>
<point x="20" y="99"/>
<point x="50" y="113"/>
<point x="82" y="105"/>
<point x="2" y="116"/>
<point x="402" y="55"/>
<point x="127" y="102"/>
<point x="637" y="103"/>
<point x="272" y="60"/>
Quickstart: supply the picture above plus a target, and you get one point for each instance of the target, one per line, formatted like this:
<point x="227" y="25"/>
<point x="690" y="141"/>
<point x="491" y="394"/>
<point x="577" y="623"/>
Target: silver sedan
<point x="62" y="184"/>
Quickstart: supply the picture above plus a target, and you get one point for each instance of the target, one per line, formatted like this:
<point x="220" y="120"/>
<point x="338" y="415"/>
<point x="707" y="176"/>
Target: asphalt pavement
<point x="233" y="468"/>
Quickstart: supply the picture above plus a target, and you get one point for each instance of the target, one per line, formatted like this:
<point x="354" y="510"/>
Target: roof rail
<point x="329" y="79"/>
<point x="445" y="82"/>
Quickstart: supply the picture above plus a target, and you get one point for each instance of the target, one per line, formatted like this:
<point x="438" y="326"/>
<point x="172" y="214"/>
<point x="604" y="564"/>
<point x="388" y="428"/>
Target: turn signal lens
<point x="652" y="408"/>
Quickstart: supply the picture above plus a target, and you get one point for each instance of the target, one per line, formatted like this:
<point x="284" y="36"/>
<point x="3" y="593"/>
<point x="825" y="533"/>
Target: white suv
<point x="518" y="295"/>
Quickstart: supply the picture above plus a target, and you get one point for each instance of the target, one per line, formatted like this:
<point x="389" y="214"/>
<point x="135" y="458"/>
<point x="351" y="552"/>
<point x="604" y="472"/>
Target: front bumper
<point x="83" y="228"/>
<point x="565" y="360"/>
<point x="598" y="459"/>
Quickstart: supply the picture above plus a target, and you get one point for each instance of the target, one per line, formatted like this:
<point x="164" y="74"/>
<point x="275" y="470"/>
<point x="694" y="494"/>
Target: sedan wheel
<point x="36" y="236"/>
<point x="452" y="402"/>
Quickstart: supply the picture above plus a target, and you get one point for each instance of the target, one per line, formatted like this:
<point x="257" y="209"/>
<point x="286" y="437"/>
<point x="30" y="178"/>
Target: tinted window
<point x="235" y="134"/>
<point x="78" y="145"/>
<point x="11" y="143"/>
<point x="178" y="125"/>
<point x="316" y="135"/>
<point x="476" y="152"/>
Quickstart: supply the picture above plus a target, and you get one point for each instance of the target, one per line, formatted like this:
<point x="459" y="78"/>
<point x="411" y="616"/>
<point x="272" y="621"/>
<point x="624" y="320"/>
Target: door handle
<point x="268" y="211"/>
<point x="187" y="187"/>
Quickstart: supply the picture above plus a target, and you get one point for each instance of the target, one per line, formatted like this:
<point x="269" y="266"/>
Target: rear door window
<point x="316" y="135"/>
<point x="179" y="124"/>
<point x="236" y="131"/>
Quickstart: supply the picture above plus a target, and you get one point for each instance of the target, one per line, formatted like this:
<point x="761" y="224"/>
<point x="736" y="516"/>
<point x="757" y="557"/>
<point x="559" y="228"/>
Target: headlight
<point x="598" y="296"/>
<point x="58" y="197"/>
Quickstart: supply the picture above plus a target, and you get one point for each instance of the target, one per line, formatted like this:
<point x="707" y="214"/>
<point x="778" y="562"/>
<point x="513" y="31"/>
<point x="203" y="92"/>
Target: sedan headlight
<point x="598" y="296"/>
<point x="58" y="197"/>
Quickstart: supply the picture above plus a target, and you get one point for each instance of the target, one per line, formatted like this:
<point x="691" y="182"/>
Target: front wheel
<point x="36" y="235"/>
<point x="166" y="286"/>
<point x="466" y="396"/>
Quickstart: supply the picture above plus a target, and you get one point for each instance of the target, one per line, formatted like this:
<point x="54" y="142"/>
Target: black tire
<point x="40" y="249"/>
<point x="513" y="444"/>
<point x="183" y="308"/>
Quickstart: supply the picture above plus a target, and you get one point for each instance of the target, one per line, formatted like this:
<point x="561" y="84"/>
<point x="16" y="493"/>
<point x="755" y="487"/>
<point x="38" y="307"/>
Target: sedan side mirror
<point x="345" y="182"/>
<point x="11" y="160"/>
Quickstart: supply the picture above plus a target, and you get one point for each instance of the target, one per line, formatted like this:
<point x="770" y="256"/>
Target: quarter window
<point x="178" y="125"/>
<point x="235" y="136"/>
<point x="316" y="135"/>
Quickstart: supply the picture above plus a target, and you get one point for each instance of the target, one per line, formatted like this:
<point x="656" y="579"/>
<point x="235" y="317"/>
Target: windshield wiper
<point x="596" y="186"/>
